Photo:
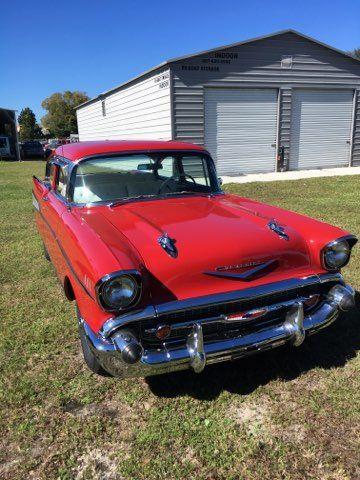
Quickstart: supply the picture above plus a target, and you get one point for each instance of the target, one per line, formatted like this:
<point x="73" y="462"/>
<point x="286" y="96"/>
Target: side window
<point x="197" y="168"/>
<point x="51" y="173"/>
<point x="62" y="181"/>
<point x="168" y="167"/>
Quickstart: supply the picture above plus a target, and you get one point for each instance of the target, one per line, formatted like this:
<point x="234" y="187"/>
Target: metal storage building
<point x="278" y="102"/>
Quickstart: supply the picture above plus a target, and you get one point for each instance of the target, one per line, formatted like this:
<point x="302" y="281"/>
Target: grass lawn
<point x="285" y="414"/>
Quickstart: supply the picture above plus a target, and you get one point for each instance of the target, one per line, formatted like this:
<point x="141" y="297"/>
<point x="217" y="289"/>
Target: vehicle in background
<point x="5" y="151"/>
<point x="51" y="146"/>
<point x="32" y="149"/>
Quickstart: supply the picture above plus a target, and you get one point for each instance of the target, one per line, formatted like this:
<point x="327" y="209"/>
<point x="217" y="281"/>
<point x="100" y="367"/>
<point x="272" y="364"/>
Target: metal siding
<point x="258" y="64"/>
<point x="240" y="129"/>
<point x="320" y="129"/>
<point x="138" y="111"/>
<point x="356" y="132"/>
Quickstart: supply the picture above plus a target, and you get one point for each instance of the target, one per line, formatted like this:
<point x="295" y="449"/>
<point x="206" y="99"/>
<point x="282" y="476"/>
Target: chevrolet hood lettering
<point x="258" y="271"/>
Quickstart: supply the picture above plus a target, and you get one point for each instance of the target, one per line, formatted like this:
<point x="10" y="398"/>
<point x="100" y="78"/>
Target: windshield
<point x="135" y="176"/>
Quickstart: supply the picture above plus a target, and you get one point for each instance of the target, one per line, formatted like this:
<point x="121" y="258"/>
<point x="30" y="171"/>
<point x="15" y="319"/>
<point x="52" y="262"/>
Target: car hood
<point x="213" y="236"/>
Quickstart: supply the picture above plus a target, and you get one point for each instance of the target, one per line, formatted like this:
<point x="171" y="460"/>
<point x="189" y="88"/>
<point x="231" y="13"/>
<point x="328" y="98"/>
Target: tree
<point x="60" y="119"/>
<point x="355" y="53"/>
<point x="29" y="129"/>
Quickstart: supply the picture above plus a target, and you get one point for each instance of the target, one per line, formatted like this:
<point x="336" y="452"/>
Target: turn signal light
<point x="163" y="332"/>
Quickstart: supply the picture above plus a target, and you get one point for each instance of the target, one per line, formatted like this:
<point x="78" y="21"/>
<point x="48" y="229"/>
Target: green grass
<point x="285" y="414"/>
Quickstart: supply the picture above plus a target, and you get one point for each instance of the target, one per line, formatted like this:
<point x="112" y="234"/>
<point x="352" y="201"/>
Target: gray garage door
<point x="320" y="128"/>
<point x="240" y="129"/>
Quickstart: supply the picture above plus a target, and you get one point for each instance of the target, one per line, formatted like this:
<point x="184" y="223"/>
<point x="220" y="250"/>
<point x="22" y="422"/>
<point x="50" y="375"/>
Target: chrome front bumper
<point x="112" y="345"/>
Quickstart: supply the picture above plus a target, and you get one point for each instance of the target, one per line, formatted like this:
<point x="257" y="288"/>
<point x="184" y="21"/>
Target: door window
<point x="197" y="168"/>
<point x="62" y="180"/>
<point x="167" y="168"/>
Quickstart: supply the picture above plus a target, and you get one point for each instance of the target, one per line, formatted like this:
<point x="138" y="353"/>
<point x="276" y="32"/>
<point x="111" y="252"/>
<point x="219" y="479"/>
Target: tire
<point x="46" y="253"/>
<point x="90" y="359"/>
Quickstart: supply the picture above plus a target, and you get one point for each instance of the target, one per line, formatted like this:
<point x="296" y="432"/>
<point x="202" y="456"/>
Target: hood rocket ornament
<point x="275" y="227"/>
<point x="168" y="244"/>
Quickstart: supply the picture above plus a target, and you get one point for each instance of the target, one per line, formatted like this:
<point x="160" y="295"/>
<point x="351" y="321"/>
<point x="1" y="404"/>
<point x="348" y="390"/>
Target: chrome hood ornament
<point x="168" y="244"/>
<point x="275" y="227"/>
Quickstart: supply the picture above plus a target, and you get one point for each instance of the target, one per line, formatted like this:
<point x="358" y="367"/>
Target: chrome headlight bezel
<point x="347" y="242"/>
<point x="105" y="282"/>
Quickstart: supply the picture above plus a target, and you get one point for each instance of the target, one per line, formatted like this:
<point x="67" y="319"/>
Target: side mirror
<point x="220" y="180"/>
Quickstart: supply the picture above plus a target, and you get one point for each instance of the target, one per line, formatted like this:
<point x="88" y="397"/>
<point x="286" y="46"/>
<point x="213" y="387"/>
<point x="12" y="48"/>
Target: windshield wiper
<point x="122" y="201"/>
<point x="130" y="199"/>
<point x="186" y="192"/>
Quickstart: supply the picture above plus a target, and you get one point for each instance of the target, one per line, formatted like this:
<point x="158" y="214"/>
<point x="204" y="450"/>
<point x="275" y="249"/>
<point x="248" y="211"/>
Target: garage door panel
<point x="240" y="129"/>
<point x="320" y="128"/>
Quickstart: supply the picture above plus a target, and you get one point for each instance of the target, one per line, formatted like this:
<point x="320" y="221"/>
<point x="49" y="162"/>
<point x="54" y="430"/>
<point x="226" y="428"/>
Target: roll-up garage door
<point x="240" y="129"/>
<point x="320" y="128"/>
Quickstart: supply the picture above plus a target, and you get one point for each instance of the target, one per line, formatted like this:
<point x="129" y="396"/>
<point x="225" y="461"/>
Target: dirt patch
<point x="190" y="457"/>
<point x="258" y="420"/>
<point x="79" y="410"/>
<point x="97" y="463"/>
<point x="252" y="416"/>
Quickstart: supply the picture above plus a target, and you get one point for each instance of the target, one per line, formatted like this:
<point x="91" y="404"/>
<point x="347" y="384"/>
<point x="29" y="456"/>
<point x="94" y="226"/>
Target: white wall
<point x="140" y="111"/>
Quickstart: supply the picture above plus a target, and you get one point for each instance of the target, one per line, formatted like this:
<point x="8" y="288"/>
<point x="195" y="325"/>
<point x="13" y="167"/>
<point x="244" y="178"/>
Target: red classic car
<point x="168" y="271"/>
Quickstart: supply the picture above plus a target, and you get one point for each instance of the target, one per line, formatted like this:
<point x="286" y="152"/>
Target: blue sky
<point x="48" y="46"/>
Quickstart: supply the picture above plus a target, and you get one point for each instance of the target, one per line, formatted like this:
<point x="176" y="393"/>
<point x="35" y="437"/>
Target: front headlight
<point x="119" y="290"/>
<point x="336" y="254"/>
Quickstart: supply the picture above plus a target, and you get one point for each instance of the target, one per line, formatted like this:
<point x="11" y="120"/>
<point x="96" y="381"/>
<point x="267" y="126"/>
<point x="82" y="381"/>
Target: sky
<point x="92" y="46"/>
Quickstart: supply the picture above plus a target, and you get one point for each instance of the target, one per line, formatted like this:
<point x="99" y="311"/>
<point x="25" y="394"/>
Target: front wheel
<point x="89" y="357"/>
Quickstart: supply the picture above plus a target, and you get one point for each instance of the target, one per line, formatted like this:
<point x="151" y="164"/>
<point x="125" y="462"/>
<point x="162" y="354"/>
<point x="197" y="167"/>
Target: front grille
<point x="218" y="330"/>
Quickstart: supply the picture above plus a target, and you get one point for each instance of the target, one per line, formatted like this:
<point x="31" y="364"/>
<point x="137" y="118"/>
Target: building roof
<point x="8" y="109"/>
<point x="77" y="151"/>
<point x="212" y="50"/>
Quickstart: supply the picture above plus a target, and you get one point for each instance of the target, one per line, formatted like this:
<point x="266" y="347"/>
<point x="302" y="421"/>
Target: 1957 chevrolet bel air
<point x="168" y="271"/>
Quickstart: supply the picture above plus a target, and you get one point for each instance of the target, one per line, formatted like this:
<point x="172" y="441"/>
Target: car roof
<point x="76" y="151"/>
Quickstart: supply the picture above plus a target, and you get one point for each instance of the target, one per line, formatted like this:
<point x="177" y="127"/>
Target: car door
<point x="40" y="199"/>
<point x="55" y="207"/>
<point x="50" y="203"/>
